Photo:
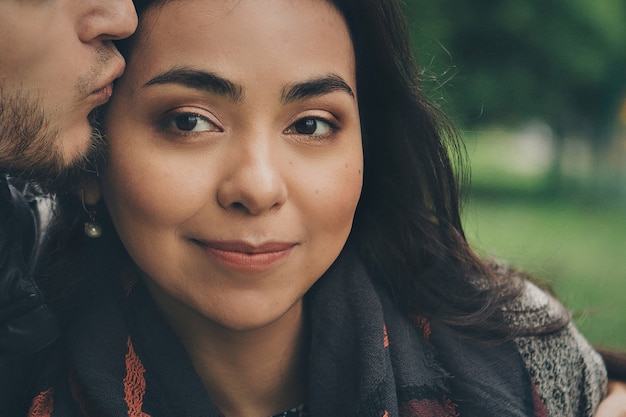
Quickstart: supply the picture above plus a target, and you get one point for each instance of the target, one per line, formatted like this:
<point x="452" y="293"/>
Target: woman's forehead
<point x="307" y="36"/>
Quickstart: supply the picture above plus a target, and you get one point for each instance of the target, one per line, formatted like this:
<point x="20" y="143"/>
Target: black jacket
<point x="27" y="327"/>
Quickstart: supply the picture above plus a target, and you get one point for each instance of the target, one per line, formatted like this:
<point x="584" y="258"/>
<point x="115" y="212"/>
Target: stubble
<point x="30" y="146"/>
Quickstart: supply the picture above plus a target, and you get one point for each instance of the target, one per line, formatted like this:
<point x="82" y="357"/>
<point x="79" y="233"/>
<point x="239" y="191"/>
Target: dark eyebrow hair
<point x="199" y="80"/>
<point x="315" y="87"/>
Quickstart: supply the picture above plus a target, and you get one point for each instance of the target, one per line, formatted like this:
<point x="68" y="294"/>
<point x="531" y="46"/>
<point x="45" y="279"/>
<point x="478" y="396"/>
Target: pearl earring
<point x="92" y="228"/>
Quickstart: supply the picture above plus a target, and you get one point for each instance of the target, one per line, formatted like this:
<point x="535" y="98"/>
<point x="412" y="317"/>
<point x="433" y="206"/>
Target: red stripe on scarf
<point x="432" y="408"/>
<point x="540" y="407"/>
<point x="43" y="404"/>
<point x="385" y="337"/>
<point x="423" y="324"/>
<point x="134" y="383"/>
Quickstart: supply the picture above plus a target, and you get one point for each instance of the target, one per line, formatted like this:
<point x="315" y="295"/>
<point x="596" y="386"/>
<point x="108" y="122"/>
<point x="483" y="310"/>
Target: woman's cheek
<point x="338" y="205"/>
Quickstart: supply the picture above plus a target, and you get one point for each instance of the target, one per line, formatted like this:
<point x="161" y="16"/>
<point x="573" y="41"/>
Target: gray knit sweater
<point x="570" y="376"/>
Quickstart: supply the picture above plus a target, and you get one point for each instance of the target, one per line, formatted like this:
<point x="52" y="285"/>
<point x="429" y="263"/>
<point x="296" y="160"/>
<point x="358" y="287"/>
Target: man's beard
<point x="29" y="146"/>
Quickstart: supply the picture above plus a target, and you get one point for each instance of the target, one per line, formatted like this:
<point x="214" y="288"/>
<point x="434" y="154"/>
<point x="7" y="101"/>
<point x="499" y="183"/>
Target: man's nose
<point x="106" y="20"/>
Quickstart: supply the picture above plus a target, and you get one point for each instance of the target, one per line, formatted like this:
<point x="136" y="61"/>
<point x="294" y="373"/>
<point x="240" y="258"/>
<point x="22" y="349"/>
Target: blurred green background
<point x="538" y="89"/>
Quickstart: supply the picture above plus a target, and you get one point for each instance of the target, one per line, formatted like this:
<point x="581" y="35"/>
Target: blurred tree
<point x="508" y="61"/>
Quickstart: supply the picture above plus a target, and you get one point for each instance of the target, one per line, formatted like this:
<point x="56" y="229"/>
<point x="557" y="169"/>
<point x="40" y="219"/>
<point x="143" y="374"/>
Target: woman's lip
<point x="244" y="256"/>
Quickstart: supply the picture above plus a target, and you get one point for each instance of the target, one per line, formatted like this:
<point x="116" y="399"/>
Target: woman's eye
<point x="312" y="126"/>
<point x="190" y="122"/>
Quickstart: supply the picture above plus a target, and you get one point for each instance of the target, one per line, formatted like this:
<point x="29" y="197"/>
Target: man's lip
<point x="108" y="83"/>
<point x="103" y="95"/>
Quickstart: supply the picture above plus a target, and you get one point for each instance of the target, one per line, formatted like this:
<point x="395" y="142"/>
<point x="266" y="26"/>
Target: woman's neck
<point x="253" y="373"/>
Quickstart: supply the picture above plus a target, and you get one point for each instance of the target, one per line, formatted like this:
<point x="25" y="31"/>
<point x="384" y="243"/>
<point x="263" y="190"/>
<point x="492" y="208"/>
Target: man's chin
<point x="60" y="174"/>
<point x="75" y="144"/>
<point x="37" y="150"/>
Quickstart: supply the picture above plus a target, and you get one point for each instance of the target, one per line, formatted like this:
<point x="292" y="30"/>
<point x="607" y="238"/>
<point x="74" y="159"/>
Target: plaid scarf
<point x="366" y="360"/>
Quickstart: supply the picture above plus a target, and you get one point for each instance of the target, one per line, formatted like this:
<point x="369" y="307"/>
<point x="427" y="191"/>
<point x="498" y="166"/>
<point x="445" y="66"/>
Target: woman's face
<point x="235" y="154"/>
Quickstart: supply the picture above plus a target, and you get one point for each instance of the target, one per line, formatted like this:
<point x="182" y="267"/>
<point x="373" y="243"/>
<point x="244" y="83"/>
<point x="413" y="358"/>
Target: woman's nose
<point x="253" y="180"/>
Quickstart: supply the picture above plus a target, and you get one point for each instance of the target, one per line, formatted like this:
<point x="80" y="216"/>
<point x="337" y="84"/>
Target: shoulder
<point x="27" y="212"/>
<point x="568" y="373"/>
<point x="534" y="309"/>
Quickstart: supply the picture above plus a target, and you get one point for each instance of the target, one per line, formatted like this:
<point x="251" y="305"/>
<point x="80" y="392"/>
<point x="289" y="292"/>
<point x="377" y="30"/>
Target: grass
<point x="577" y="247"/>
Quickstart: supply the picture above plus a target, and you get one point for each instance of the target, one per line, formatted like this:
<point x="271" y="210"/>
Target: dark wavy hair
<point x="407" y="226"/>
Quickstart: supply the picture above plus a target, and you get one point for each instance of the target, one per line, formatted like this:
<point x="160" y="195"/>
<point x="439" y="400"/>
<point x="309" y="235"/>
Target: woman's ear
<point x="91" y="190"/>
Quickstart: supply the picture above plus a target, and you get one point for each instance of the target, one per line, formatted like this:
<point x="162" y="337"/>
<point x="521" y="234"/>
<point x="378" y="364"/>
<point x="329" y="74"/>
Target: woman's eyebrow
<point x="199" y="80"/>
<point x="213" y="83"/>
<point x="315" y="87"/>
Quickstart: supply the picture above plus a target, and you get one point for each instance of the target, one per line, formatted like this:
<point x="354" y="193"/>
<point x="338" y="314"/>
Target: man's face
<point x="57" y="63"/>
